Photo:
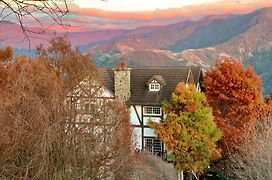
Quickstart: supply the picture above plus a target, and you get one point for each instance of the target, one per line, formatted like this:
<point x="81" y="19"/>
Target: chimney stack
<point x="122" y="65"/>
<point x="122" y="81"/>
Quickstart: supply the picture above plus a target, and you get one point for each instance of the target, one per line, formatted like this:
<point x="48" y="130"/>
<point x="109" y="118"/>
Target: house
<point x="143" y="89"/>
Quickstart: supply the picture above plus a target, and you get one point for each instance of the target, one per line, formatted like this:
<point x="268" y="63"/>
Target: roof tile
<point x="140" y="94"/>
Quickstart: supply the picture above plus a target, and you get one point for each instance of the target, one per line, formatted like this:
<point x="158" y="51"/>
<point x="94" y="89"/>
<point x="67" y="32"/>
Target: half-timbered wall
<point x="141" y="130"/>
<point x="136" y="121"/>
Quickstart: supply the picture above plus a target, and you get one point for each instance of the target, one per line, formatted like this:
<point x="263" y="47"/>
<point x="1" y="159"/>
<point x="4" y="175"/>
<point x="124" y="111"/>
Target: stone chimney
<point x="122" y="81"/>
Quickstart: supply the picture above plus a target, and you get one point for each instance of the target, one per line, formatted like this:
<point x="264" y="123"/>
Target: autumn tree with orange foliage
<point x="98" y="129"/>
<point x="54" y="125"/>
<point x="6" y="54"/>
<point x="235" y="94"/>
<point x="31" y="120"/>
<point x="188" y="130"/>
<point x="70" y="62"/>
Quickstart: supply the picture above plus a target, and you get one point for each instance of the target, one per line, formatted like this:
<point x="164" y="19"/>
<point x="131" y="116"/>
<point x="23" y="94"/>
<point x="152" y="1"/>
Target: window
<point x="154" y="146"/>
<point x="89" y="107"/>
<point x="155" y="83"/>
<point x="154" y="86"/>
<point x="152" y="110"/>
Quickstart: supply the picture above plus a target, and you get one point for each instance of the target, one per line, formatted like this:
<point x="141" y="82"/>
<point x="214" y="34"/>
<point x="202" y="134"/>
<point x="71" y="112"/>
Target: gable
<point x="156" y="79"/>
<point x="89" y="88"/>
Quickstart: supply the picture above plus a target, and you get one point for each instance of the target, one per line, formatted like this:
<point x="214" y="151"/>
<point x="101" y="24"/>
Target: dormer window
<point x="155" y="83"/>
<point x="154" y="86"/>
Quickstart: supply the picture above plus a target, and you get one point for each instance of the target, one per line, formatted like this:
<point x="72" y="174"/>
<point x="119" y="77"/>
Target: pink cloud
<point x="191" y="12"/>
<point x="83" y="19"/>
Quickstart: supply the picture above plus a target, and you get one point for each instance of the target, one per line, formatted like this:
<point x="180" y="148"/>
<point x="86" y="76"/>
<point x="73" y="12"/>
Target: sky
<point x="108" y="15"/>
<point x="92" y="15"/>
<point x="130" y="14"/>
<point x="137" y="5"/>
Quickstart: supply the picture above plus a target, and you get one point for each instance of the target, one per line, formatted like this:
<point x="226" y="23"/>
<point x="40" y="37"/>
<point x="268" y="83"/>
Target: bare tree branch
<point x="253" y="161"/>
<point x="18" y="11"/>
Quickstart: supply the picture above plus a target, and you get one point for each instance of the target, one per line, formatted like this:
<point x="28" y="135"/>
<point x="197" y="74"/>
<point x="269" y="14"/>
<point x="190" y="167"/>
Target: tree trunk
<point x="180" y="175"/>
<point x="190" y="175"/>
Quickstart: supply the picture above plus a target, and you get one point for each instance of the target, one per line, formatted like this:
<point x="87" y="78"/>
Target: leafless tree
<point x="254" y="158"/>
<point x="99" y="137"/>
<point x="18" y="11"/>
<point x="150" y="167"/>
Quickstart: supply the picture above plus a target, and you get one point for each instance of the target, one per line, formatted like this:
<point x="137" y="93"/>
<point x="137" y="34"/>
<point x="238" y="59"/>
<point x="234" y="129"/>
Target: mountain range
<point x="247" y="37"/>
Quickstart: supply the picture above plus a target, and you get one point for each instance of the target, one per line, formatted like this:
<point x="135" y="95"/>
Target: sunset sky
<point x="108" y="15"/>
<point x="129" y="14"/>
<point x="137" y="5"/>
<point x="91" y="15"/>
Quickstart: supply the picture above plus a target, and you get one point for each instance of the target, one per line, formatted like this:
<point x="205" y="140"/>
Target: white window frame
<point x="152" y="110"/>
<point x="153" y="145"/>
<point x="154" y="86"/>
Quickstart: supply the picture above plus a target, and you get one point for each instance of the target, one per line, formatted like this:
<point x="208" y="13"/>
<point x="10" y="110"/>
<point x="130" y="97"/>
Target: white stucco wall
<point x="137" y="138"/>
<point x="106" y="93"/>
<point x="149" y="132"/>
<point x="137" y="131"/>
<point x="155" y="119"/>
<point x="133" y="116"/>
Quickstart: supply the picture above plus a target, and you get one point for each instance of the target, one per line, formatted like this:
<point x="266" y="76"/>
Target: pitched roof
<point x="158" y="78"/>
<point x="197" y="73"/>
<point x="107" y="76"/>
<point x="140" y="94"/>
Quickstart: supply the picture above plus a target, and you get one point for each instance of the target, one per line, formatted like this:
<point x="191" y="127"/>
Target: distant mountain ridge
<point x="201" y="42"/>
<point x="11" y="34"/>
<point x="247" y="37"/>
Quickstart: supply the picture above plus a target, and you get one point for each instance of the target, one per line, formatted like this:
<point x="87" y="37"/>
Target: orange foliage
<point x="6" y="54"/>
<point x="69" y="61"/>
<point x="235" y="94"/>
<point x="188" y="130"/>
<point x="191" y="107"/>
<point x="51" y="128"/>
<point x="30" y="120"/>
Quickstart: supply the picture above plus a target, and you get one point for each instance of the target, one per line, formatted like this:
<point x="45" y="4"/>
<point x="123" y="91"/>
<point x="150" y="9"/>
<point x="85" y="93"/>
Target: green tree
<point x="188" y="130"/>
